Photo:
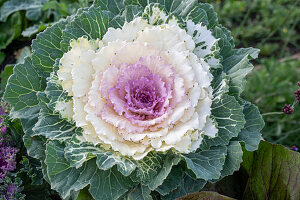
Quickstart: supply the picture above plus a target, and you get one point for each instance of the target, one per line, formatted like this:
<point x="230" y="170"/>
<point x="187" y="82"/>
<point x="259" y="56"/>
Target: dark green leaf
<point x="207" y="164"/>
<point x="187" y="185"/>
<point x="140" y="192"/>
<point x="273" y="173"/>
<point x="233" y="159"/>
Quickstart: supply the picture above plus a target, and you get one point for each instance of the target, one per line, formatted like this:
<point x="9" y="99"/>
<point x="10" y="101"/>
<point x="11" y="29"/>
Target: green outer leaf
<point x="169" y="162"/>
<point x="35" y="145"/>
<point x="107" y="160"/>
<point x="206" y="164"/>
<point x="114" y="6"/>
<point x="92" y="23"/>
<point x="77" y="152"/>
<point x="50" y="124"/>
<point x="63" y="177"/>
<point x="54" y="91"/>
<point x="273" y="173"/>
<point x="198" y="15"/>
<point x="229" y="116"/>
<point x="187" y="185"/>
<point x="148" y="167"/>
<point x="104" y="185"/>
<point x="172" y="181"/>
<point x="237" y="67"/>
<point x="233" y="159"/>
<point x="47" y="48"/>
<point x="140" y="192"/>
<point x="177" y="7"/>
<point x="211" y="15"/>
<point x="22" y="88"/>
<point x="225" y="43"/>
<point x="131" y="12"/>
<point x="250" y="134"/>
<point x="109" y="185"/>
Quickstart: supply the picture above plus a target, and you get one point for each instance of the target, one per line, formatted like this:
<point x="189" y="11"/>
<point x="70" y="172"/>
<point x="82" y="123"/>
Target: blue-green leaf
<point x="187" y="185"/>
<point x="206" y="165"/>
<point x="50" y="124"/>
<point x="106" y="185"/>
<point x="250" y="134"/>
<point x="140" y="192"/>
<point x="47" y="48"/>
<point x="228" y="114"/>
<point x="233" y="158"/>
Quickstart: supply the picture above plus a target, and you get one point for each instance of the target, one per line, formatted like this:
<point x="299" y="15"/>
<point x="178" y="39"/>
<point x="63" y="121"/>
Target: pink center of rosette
<point x="142" y="92"/>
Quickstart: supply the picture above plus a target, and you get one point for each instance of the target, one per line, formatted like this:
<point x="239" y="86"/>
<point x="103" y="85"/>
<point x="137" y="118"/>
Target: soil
<point x="12" y="51"/>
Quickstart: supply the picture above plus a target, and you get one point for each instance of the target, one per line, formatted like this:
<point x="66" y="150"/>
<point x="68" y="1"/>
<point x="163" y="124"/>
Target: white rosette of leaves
<point x="69" y="164"/>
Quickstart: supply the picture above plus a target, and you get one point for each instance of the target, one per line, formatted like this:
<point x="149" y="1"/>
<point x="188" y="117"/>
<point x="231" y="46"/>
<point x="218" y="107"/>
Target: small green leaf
<point x="273" y="173"/>
<point x="32" y="30"/>
<point x="250" y="134"/>
<point x="148" y="167"/>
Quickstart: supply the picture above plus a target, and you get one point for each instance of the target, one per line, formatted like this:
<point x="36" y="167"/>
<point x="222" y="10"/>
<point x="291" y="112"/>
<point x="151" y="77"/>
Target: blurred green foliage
<point x="23" y="19"/>
<point x="271" y="25"/>
<point x="270" y="86"/>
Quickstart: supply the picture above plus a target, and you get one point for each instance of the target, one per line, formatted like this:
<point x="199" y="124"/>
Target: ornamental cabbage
<point x="135" y="99"/>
